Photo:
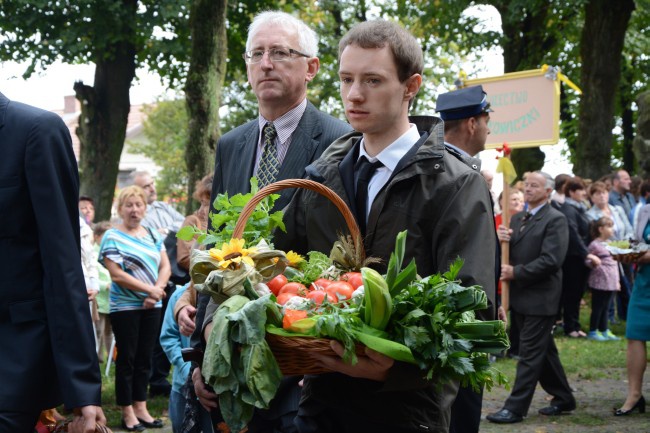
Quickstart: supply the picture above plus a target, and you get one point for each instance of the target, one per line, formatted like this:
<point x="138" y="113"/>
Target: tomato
<point x="320" y="284"/>
<point x="291" y="316"/>
<point x="277" y="283"/>
<point x="353" y="278"/>
<point x="341" y="290"/>
<point x="318" y="296"/>
<point x="284" y="297"/>
<point x="294" y="288"/>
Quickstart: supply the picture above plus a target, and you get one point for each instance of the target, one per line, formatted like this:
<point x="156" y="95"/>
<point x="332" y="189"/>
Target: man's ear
<point x="471" y="124"/>
<point x="313" y="65"/>
<point x="413" y="84"/>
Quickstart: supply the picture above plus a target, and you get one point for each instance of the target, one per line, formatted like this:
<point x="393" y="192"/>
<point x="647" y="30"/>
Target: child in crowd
<point x="103" y="326"/>
<point x="603" y="280"/>
<point x="172" y="342"/>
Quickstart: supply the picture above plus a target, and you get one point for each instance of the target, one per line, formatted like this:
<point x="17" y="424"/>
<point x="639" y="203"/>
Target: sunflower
<point x="232" y="254"/>
<point x="294" y="259"/>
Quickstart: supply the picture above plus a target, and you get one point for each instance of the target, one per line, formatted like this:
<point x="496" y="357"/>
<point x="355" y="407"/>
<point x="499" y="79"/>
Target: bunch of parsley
<point x="430" y="317"/>
<point x="260" y="225"/>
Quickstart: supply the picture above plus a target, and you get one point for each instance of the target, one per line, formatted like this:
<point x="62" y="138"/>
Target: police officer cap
<point x="463" y="103"/>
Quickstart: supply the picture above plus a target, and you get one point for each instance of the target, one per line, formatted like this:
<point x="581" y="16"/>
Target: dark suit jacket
<point x="46" y="337"/>
<point x="236" y="150"/>
<point x="578" y="230"/>
<point x="233" y="169"/>
<point x="537" y="253"/>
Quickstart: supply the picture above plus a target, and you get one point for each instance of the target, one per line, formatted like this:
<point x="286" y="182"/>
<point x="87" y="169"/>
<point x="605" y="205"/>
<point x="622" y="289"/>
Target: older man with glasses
<point x="288" y="134"/>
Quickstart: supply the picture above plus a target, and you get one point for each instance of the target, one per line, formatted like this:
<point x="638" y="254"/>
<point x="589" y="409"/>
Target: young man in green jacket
<point x="417" y="185"/>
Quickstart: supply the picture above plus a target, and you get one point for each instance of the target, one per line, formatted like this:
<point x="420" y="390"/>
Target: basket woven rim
<point x="312" y="344"/>
<point x="295" y="355"/>
<point x="274" y="187"/>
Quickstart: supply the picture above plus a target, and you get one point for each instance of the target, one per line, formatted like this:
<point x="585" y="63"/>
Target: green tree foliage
<point x="536" y="32"/>
<point x="165" y="128"/>
<point x="118" y="36"/>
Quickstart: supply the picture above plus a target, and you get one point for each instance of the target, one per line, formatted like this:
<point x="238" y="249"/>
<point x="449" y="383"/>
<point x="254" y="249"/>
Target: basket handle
<point x="306" y="184"/>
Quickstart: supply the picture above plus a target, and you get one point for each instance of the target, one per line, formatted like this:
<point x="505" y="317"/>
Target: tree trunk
<point x="601" y="48"/>
<point x="525" y="44"/>
<point x="626" y="98"/>
<point x="102" y="124"/>
<point x="203" y="88"/>
<point x="641" y="143"/>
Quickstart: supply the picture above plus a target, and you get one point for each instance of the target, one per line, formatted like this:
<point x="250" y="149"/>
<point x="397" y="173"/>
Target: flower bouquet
<point x="277" y="309"/>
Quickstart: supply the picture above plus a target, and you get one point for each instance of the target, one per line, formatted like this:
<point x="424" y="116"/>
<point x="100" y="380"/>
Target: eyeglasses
<point x="275" y="54"/>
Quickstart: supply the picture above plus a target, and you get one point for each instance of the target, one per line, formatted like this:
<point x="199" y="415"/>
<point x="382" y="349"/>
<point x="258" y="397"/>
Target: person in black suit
<point x="538" y="244"/>
<point x="288" y="135"/>
<point x="46" y="335"/>
<point x="574" y="270"/>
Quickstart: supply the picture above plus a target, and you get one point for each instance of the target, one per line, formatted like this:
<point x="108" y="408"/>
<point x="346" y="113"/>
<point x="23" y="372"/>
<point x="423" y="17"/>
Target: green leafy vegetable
<point x="238" y="362"/>
<point x="396" y="277"/>
<point x="310" y="270"/>
<point x="260" y="225"/>
<point x="434" y="318"/>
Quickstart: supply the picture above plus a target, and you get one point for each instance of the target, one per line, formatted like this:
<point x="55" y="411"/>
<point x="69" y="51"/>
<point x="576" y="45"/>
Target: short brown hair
<point x="595" y="225"/>
<point x="597" y="186"/>
<point x="572" y="184"/>
<point x="101" y="227"/>
<point x="406" y="50"/>
<point x="203" y="188"/>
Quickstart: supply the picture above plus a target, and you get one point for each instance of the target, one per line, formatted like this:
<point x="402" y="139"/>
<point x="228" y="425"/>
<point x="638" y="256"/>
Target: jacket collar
<point x="530" y="224"/>
<point x="431" y="146"/>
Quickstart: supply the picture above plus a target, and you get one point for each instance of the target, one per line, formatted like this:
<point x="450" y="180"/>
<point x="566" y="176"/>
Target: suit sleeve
<point x="52" y="178"/>
<point x="576" y="244"/>
<point x="555" y="242"/>
<point x="217" y="180"/>
<point x="466" y="230"/>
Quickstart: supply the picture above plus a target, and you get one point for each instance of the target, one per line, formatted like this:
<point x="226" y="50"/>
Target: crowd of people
<point x="567" y="224"/>
<point x="395" y="171"/>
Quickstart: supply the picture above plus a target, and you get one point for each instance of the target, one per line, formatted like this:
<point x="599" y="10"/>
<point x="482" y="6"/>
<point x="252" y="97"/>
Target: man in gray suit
<point x="281" y="61"/>
<point x="538" y="243"/>
<point x="288" y="135"/>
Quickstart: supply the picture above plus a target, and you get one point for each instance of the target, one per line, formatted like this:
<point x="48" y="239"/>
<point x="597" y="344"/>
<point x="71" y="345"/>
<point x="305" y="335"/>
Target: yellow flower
<point x="294" y="259"/>
<point x="232" y="254"/>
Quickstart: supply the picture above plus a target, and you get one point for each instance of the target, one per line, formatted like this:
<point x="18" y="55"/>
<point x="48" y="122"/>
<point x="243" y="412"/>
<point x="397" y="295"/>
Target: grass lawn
<point x="596" y="370"/>
<point x="597" y="373"/>
<point x="157" y="405"/>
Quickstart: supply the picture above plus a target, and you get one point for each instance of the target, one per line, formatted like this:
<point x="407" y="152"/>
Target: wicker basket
<point x="294" y="354"/>
<point x="629" y="257"/>
<point x="63" y="428"/>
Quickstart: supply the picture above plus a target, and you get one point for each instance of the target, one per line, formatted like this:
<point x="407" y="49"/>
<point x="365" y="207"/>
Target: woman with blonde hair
<point x="137" y="262"/>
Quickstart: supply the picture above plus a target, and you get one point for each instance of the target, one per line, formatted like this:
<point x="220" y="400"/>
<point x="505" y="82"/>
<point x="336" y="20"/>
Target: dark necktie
<point x="364" y="169"/>
<point x="524" y="220"/>
<point x="269" y="166"/>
